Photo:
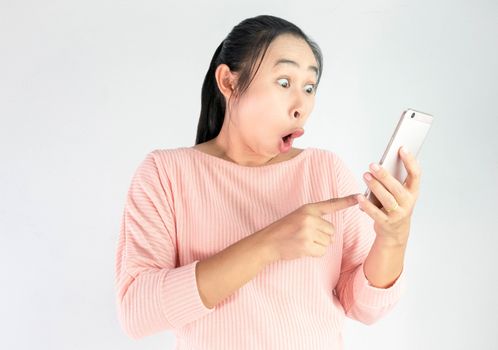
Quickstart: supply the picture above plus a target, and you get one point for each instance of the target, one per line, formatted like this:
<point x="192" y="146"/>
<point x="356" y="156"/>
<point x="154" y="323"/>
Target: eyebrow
<point x="287" y="61"/>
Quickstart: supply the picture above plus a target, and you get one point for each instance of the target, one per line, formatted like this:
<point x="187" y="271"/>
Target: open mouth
<point x="293" y="135"/>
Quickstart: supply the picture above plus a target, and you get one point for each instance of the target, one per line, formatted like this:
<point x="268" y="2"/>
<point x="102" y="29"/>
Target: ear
<point x="226" y="80"/>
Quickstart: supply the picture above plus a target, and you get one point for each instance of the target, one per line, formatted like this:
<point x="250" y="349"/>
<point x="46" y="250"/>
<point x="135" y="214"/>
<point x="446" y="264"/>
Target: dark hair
<point x="239" y="51"/>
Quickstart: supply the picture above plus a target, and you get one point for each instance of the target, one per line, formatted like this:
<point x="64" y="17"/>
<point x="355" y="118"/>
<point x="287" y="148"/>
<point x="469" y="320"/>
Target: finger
<point x="322" y="239"/>
<point x="412" y="181"/>
<point x="317" y="250"/>
<point x="394" y="188"/>
<point x="385" y="198"/>
<point x="368" y="207"/>
<point x="325" y="226"/>
<point x="334" y="204"/>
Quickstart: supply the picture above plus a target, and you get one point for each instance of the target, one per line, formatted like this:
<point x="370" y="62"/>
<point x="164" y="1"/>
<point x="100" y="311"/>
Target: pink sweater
<point x="184" y="205"/>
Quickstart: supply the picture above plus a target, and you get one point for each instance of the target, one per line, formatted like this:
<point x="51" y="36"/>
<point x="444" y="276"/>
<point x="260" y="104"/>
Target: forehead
<point x="290" y="52"/>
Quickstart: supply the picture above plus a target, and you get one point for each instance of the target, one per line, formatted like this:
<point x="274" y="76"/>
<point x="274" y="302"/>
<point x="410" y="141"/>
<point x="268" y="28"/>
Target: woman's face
<point x="279" y="99"/>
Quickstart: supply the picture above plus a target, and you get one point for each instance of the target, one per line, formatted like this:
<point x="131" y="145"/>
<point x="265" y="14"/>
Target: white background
<point x="88" y="88"/>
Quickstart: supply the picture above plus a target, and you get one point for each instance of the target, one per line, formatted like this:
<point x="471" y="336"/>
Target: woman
<point x="244" y="242"/>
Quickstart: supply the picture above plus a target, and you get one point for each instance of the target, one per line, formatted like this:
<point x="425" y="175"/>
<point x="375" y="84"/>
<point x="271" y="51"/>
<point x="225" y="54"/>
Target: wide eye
<point x="284" y="80"/>
<point x="313" y="87"/>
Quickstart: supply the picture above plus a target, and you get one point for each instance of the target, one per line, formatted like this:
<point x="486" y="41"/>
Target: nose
<point x="298" y="105"/>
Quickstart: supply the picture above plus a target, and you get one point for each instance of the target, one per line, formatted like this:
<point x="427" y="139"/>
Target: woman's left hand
<point x="392" y="225"/>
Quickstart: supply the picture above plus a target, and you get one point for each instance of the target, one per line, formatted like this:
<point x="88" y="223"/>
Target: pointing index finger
<point x="335" y="204"/>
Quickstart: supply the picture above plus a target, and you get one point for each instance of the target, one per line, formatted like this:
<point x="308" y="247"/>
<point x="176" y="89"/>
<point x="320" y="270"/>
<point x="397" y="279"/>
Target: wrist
<point x="266" y="248"/>
<point x="390" y="242"/>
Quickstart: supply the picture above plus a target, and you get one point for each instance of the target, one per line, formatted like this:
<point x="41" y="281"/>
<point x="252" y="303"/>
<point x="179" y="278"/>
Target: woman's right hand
<point x="304" y="232"/>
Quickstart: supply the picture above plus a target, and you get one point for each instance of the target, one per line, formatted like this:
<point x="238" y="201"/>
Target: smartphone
<point x="410" y="132"/>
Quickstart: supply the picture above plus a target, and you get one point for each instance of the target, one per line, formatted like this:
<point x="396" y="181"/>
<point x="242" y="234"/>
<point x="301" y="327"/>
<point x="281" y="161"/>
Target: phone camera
<point x="413" y="115"/>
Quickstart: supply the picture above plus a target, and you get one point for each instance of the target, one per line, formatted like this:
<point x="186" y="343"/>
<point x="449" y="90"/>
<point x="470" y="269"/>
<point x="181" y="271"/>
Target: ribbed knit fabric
<point x="184" y="205"/>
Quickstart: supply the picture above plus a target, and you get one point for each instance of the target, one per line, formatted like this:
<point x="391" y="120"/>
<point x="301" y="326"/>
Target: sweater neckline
<point x="227" y="163"/>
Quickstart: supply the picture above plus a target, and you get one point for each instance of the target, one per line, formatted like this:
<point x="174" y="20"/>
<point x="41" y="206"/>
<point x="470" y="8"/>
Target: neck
<point x="221" y="151"/>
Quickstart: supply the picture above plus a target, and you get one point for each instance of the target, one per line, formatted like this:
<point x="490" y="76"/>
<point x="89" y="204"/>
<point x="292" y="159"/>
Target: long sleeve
<point x="152" y="293"/>
<point x="361" y="301"/>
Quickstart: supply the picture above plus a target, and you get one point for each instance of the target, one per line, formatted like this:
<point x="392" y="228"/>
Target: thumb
<point x="335" y="204"/>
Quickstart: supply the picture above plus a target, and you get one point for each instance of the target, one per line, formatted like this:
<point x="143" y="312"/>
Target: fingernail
<point x="368" y="177"/>
<point x="374" y="166"/>
<point x="404" y="150"/>
<point x="360" y="198"/>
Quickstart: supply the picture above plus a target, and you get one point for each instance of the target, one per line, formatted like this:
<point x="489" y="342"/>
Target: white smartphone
<point x="410" y="132"/>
